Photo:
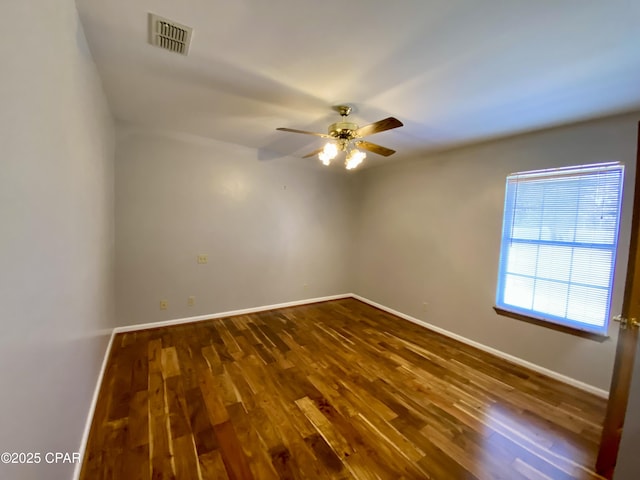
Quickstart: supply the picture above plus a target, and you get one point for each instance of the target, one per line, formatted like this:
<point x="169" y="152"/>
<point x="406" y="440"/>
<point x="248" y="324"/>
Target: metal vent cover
<point x="170" y="35"/>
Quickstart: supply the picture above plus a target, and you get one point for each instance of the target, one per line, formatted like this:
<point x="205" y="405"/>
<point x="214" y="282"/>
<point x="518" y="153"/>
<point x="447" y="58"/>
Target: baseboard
<point x="92" y="407"/>
<point x="244" y="311"/>
<point x="498" y="353"/>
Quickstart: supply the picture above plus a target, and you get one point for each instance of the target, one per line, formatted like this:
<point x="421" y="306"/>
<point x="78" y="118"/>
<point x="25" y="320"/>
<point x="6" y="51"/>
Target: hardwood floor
<point x="332" y="390"/>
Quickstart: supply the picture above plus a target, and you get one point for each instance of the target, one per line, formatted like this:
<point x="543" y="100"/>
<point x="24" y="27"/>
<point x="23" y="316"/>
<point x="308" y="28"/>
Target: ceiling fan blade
<point x="293" y="130"/>
<point x="379" y="126"/>
<point x="315" y="152"/>
<point x="372" y="147"/>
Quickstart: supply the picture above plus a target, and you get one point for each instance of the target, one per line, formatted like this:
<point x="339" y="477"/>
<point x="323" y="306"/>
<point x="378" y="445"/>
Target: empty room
<point x="320" y="240"/>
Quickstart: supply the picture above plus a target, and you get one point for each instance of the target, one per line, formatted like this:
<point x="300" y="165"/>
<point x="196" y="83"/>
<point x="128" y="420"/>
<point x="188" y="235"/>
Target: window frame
<point x="541" y="318"/>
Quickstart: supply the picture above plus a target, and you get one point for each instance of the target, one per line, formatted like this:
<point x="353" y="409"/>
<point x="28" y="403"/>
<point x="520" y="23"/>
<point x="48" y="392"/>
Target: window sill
<point x="598" y="337"/>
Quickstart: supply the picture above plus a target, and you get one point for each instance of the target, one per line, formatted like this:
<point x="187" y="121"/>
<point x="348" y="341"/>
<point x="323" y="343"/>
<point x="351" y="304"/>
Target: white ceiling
<point x="453" y="71"/>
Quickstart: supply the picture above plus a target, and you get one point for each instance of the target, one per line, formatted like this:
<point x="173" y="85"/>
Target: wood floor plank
<point x="212" y="466"/>
<point x="169" y="361"/>
<point x="135" y="463"/>
<point x="324" y="427"/>
<point x="334" y="390"/>
<point x="160" y="441"/>
<point x="252" y="445"/>
<point x="139" y="420"/>
<point x="233" y="456"/>
<point x="186" y="458"/>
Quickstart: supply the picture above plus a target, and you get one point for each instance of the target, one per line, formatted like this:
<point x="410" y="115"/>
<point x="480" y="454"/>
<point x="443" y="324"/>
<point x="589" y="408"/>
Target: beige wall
<point x="57" y="241"/>
<point x="429" y="231"/>
<point x="268" y="227"/>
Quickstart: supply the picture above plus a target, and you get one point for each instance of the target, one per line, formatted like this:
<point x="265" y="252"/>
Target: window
<point x="559" y="239"/>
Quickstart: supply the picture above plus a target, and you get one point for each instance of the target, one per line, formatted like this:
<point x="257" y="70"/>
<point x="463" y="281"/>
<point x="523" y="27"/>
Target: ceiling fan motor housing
<point x="343" y="130"/>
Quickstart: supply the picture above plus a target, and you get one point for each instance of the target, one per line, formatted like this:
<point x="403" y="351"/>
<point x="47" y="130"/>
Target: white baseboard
<point x="92" y="407"/>
<point x="498" y="353"/>
<point x="244" y="311"/>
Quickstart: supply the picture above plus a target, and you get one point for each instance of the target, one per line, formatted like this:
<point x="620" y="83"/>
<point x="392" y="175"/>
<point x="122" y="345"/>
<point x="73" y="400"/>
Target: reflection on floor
<point x="330" y="390"/>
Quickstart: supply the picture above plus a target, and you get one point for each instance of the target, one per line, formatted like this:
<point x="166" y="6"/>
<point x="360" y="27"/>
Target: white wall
<point x="57" y="240"/>
<point x="268" y="227"/>
<point x="429" y="231"/>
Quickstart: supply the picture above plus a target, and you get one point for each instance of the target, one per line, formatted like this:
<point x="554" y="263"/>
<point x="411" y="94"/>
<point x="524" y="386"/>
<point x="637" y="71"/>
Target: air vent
<point x="169" y="35"/>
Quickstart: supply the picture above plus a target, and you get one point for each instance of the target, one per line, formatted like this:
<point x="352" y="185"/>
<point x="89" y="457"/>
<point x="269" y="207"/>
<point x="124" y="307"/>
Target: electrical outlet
<point x="164" y="304"/>
<point x="305" y="286"/>
<point x="425" y="305"/>
<point x="191" y="301"/>
<point x="203" y="258"/>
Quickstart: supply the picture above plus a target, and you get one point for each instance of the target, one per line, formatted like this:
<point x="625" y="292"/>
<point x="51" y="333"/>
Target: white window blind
<point x="559" y="242"/>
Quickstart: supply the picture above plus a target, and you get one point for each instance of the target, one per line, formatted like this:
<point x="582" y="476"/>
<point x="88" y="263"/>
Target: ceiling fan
<point x="346" y="137"/>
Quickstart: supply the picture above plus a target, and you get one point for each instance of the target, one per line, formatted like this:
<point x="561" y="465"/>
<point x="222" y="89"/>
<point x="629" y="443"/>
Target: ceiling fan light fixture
<point x="330" y="149"/>
<point x="354" y="158"/>
<point x="328" y="153"/>
<point x="324" y="159"/>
